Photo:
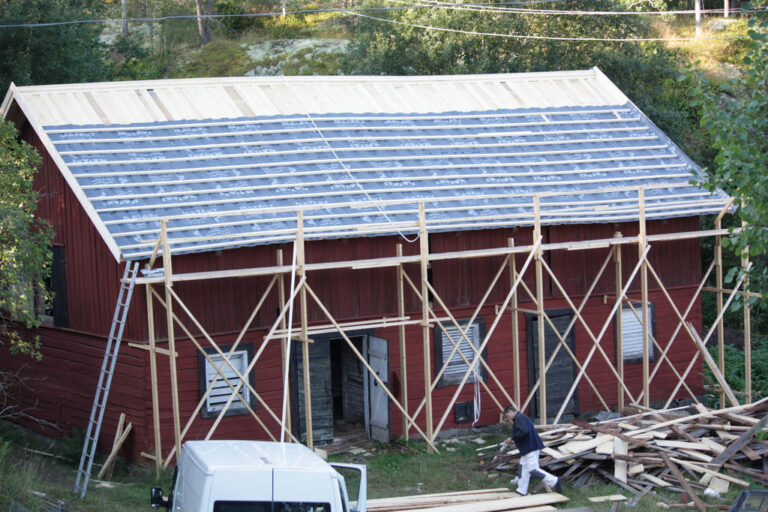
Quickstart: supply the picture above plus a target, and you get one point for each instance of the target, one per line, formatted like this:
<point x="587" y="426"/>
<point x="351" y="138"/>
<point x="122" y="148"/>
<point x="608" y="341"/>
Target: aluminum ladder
<point x="105" y="377"/>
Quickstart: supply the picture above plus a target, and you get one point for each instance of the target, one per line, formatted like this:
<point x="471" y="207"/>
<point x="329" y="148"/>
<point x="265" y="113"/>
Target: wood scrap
<point x="707" y="449"/>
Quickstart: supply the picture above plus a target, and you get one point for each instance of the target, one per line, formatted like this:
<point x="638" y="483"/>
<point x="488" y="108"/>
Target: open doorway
<point x="347" y="401"/>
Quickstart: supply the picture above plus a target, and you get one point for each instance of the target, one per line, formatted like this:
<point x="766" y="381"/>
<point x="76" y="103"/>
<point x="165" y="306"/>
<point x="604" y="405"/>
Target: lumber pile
<point x="486" y="500"/>
<point x="694" y="451"/>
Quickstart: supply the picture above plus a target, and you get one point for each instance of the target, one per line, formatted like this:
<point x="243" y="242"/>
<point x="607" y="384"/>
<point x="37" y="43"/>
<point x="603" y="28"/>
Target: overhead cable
<point x="357" y="10"/>
<point x="546" y="38"/>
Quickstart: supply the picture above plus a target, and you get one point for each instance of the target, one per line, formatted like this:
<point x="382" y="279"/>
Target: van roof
<point x="216" y="455"/>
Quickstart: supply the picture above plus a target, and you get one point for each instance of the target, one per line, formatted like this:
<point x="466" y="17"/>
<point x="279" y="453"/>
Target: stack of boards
<point x="697" y="452"/>
<point x="489" y="500"/>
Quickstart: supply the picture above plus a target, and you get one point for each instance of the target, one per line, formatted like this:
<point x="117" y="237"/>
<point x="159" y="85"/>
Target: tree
<point x="50" y="54"/>
<point x="25" y="243"/>
<point x="735" y="115"/>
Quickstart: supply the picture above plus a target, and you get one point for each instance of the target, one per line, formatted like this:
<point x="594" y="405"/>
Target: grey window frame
<point x="452" y="379"/>
<point x="652" y="353"/>
<point x="237" y="407"/>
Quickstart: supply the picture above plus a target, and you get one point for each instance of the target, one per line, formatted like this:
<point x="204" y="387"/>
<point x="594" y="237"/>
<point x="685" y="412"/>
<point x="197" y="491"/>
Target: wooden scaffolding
<point x="434" y="313"/>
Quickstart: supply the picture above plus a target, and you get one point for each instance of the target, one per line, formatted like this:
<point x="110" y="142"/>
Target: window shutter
<point x="221" y="390"/>
<point x="456" y="365"/>
<point x="632" y="333"/>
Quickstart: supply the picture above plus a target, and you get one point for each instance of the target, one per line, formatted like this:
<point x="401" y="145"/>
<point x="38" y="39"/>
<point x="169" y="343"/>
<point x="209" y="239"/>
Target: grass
<point x="397" y="469"/>
<point x="711" y="53"/>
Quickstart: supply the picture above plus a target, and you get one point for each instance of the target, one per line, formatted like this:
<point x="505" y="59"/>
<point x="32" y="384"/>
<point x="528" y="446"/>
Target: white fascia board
<point x="68" y="177"/>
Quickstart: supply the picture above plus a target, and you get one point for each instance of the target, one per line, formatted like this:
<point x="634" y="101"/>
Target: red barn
<point x="379" y="251"/>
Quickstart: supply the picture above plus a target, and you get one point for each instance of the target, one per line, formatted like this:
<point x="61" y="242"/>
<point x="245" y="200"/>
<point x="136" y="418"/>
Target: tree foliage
<point x="25" y="242"/>
<point x="735" y="115"/>
<point x="645" y="71"/>
<point x="50" y="54"/>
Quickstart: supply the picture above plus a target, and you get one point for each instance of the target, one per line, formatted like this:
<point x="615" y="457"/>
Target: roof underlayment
<point x="357" y="154"/>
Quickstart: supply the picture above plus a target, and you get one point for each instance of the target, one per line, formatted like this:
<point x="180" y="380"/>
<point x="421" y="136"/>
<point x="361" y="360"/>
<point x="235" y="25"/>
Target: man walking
<point x="529" y="444"/>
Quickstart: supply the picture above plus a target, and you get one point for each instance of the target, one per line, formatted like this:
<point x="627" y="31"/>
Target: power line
<point x="546" y="38"/>
<point x="356" y="11"/>
<point x="560" y="12"/>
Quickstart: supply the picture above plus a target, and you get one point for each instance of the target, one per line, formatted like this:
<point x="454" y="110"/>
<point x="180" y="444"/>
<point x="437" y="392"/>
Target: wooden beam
<point x="394" y="261"/>
<point x="541" y="333"/>
<point x="515" y="327"/>
<point x="684" y="483"/>
<point x="642" y="243"/>
<point x="153" y="380"/>
<point x="118" y="443"/>
<point x="619" y="327"/>
<point x="286" y="420"/>
<point x="403" y="344"/>
<point x="167" y="273"/>
<point x="719" y="303"/>
<point x="301" y="273"/>
<point x="426" y="350"/>
<point x="745" y="265"/>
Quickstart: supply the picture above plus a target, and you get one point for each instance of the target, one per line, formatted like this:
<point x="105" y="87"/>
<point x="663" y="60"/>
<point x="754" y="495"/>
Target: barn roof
<point x="229" y="161"/>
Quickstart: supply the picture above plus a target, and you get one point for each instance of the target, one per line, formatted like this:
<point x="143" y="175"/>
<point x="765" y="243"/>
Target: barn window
<point x="632" y="333"/>
<point x="221" y="391"/>
<point x="454" y="373"/>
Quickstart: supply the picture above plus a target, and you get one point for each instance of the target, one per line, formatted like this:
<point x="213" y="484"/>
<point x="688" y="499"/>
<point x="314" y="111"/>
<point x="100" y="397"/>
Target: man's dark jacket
<point x="524" y="434"/>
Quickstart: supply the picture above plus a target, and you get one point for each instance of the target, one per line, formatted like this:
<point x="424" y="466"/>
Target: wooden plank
<point x="714" y="474"/>
<point x="719" y="485"/>
<point x="697" y="455"/>
<point x="115" y="448"/>
<point x="521" y="502"/>
<point x="654" y="480"/>
<point x="683" y="445"/>
<point x="686" y="485"/>
<point x="620" y="467"/>
<point x="411" y="502"/>
<point x="737" y="445"/>
<point x="611" y="497"/>
<point x="713" y="445"/>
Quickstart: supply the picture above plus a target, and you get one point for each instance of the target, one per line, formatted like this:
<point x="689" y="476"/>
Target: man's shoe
<point x="558" y="486"/>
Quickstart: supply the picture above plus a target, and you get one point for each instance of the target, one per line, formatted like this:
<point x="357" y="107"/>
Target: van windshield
<point x="268" y="506"/>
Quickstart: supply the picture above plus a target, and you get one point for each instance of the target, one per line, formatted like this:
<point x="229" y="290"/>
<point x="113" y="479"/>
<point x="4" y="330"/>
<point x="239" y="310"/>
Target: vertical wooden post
<point x="719" y="298"/>
<point x="301" y="272"/>
<point x="167" y="274"/>
<point x="642" y="242"/>
<point x="619" y="326"/>
<point x="401" y="335"/>
<point x="747" y="327"/>
<point x="284" y="340"/>
<point x="726" y="8"/>
<point x="515" y="331"/>
<point x="424" y="248"/>
<point x="153" y="378"/>
<point x="540" y="313"/>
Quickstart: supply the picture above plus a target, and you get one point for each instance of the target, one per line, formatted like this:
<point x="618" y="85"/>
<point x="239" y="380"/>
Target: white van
<point x="257" y="476"/>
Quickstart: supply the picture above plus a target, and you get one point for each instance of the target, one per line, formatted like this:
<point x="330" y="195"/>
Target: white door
<point x="376" y="399"/>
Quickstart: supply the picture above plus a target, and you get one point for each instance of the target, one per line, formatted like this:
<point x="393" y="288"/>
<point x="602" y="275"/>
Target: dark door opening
<point x="347" y="402"/>
<point x="561" y="373"/>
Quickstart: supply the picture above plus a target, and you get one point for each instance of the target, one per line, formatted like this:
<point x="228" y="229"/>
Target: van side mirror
<point x="156" y="498"/>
